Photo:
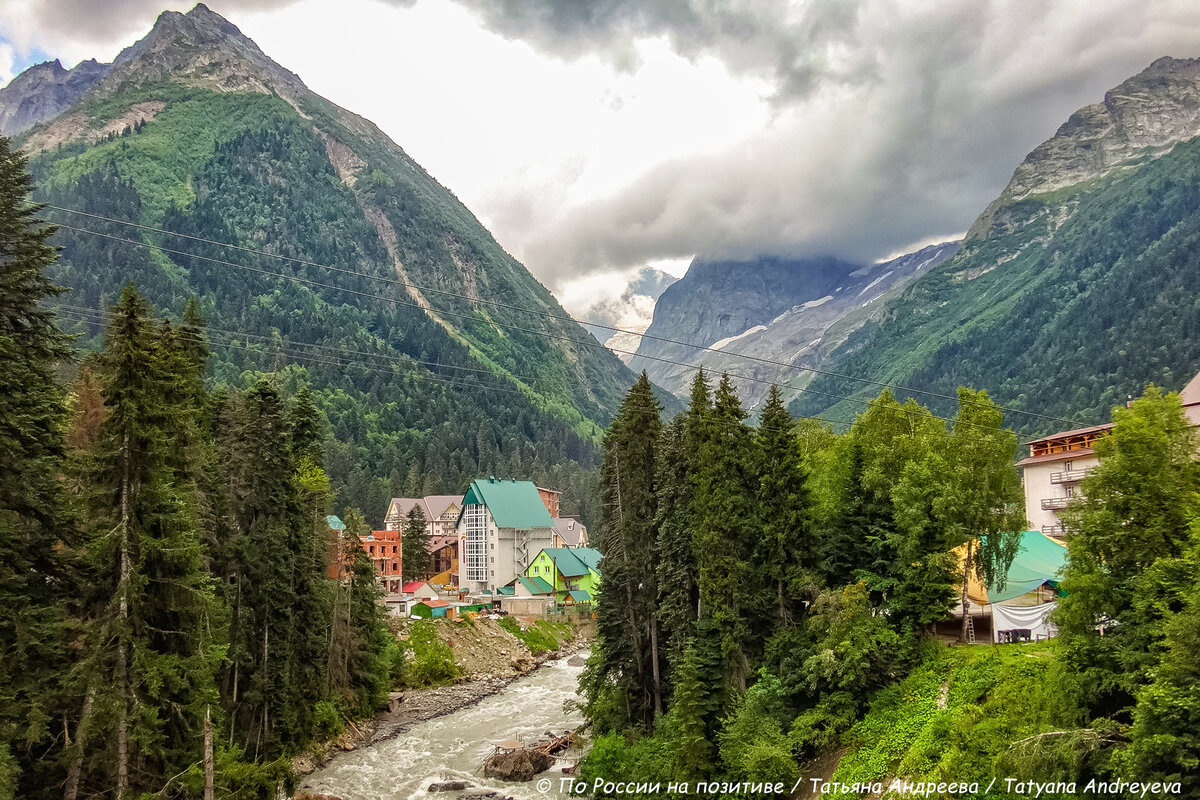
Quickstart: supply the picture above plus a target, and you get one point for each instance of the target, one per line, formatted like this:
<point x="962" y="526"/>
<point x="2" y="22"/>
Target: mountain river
<point x="454" y="746"/>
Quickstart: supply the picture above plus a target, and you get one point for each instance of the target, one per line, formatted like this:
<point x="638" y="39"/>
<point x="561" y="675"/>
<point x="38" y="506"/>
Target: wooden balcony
<point x="1055" y="503"/>
<point x="1057" y="531"/>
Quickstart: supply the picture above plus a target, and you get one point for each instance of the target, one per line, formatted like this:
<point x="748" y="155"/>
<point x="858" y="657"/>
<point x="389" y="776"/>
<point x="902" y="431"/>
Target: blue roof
<point x="512" y="504"/>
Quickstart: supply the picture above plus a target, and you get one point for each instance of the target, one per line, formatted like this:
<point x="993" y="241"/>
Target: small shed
<point x="426" y="609"/>
<point x="419" y="590"/>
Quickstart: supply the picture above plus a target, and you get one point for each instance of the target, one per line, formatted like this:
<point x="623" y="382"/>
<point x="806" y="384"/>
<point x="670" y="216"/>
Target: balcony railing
<point x="1054" y="530"/>
<point x="1070" y="476"/>
<point x="1055" y="503"/>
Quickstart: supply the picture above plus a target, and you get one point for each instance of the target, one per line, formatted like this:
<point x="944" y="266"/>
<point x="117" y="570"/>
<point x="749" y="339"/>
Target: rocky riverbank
<point x="491" y="659"/>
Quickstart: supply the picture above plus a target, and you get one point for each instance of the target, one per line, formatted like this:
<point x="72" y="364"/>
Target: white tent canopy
<point x="1030" y="618"/>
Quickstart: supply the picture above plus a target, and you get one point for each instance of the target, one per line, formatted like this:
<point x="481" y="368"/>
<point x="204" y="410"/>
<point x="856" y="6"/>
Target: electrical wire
<point x="523" y="309"/>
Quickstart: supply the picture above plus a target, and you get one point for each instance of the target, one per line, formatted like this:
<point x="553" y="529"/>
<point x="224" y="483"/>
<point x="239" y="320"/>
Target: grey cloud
<point x="801" y="46"/>
<point x="89" y="21"/>
<point x="957" y="94"/>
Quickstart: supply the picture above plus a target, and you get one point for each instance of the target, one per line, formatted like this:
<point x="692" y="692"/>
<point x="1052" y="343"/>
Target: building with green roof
<point x="573" y="572"/>
<point x="502" y="525"/>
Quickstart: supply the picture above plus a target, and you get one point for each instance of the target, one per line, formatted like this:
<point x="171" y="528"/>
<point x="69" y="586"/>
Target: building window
<point x="1067" y="466"/>
<point x="475" y="518"/>
<point x="393" y="548"/>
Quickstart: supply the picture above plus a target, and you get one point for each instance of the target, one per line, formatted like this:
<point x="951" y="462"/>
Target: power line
<point x="536" y="312"/>
<point x="291" y="348"/>
<point x="471" y="317"/>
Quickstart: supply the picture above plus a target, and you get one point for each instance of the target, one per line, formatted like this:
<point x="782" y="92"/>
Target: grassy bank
<point x="965" y="715"/>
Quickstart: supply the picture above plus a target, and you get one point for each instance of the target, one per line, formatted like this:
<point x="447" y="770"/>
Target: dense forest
<point x="168" y="625"/>
<point x="418" y="402"/>
<point x="769" y="596"/>
<point x="1096" y="280"/>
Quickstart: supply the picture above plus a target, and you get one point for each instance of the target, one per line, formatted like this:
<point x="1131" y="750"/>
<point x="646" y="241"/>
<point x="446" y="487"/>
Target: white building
<point x="1058" y="462"/>
<point x="502" y="527"/>
<point x="1056" y="465"/>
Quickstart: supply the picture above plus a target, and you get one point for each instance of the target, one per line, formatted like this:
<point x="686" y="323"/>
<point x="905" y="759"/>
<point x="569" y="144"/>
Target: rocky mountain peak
<point x="43" y="91"/>
<point x="205" y="50"/>
<point x="1143" y="117"/>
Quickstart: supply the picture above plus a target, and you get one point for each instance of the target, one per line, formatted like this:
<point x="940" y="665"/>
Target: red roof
<point x="434" y="603"/>
<point x="412" y="586"/>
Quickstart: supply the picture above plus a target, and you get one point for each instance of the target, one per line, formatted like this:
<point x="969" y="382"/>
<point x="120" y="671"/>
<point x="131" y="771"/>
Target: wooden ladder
<point x="970" y="629"/>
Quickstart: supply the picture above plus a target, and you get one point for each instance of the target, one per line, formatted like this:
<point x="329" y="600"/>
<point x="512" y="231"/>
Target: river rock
<point x="516" y="765"/>
<point x="448" y="786"/>
<point x="577" y="661"/>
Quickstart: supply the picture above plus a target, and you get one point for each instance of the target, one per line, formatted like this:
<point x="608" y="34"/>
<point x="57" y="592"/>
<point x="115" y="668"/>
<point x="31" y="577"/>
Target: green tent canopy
<point x="1040" y="560"/>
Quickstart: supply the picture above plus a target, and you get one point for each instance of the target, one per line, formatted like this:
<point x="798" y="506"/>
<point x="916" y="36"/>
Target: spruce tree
<point x="157" y="632"/>
<point x="725" y="484"/>
<point x="675" y="571"/>
<point x="34" y="523"/>
<point x="628" y="623"/>
<point x="414" y="546"/>
<point x="786" y="553"/>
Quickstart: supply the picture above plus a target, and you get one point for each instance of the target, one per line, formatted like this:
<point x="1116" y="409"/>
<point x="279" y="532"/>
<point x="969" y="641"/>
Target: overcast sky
<point x="595" y="138"/>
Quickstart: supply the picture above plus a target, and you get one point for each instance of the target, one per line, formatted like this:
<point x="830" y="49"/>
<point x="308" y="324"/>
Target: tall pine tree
<point x="33" y="518"/>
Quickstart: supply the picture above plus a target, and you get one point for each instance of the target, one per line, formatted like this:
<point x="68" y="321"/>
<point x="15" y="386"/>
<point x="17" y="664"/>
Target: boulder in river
<point x="448" y="786"/>
<point x="516" y="765"/>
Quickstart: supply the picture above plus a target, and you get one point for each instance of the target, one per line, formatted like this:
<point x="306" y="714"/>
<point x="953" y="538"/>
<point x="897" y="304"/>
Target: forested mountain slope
<point x="194" y="130"/>
<point x="1076" y="287"/>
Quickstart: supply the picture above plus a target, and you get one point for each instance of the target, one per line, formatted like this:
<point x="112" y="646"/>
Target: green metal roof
<point x="513" y="504"/>
<point x="506" y="590"/>
<point x="573" y="562"/>
<point x="536" y="585"/>
<point x="579" y="596"/>
<point x="335" y="524"/>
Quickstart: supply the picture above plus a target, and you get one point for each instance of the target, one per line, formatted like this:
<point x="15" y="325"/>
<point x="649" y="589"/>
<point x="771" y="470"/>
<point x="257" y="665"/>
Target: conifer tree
<point x="678" y="587"/>
<point x="416" y="560"/>
<point x="157" y="633"/>
<point x="628" y="623"/>
<point x="786" y="553"/>
<point x="309" y="536"/>
<point x="33" y="518"/>
<point x="724" y="486"/>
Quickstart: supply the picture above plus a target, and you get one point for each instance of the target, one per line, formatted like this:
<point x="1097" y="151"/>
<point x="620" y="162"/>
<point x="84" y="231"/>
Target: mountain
<point x="436" y="356"/>
<point x="791" y="311"/>
<point x="1075" y="288"/>
<point x="631" y="312"/>
<point x="44" y="91"/>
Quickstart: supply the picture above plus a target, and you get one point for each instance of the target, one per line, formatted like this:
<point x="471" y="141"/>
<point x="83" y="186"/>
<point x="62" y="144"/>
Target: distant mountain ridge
<point x="43" y="91"/>
<point x="194" y="129"/>
<point x="788" y="310"/>
<point x="1074" y="288"/>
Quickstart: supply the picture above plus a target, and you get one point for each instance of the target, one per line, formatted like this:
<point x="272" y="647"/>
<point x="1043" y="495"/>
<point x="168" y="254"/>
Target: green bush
<point x="540" y="637"/>
<point x="326" y="720"/>
<point x="432" y="661"/>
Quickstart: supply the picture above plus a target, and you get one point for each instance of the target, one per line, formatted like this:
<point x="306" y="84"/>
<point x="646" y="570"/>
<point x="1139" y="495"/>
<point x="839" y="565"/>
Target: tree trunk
<point x="654" y="664"/>
<point x="208" y="754"/>
<point x="71" y="789"/>
<point x="122" y="670"/>
<point x="965" y="599"/>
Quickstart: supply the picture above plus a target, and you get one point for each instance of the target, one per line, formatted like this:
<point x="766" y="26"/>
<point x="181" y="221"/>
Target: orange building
<point x="383" y="547"/>
<point x="550" y="500"/>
